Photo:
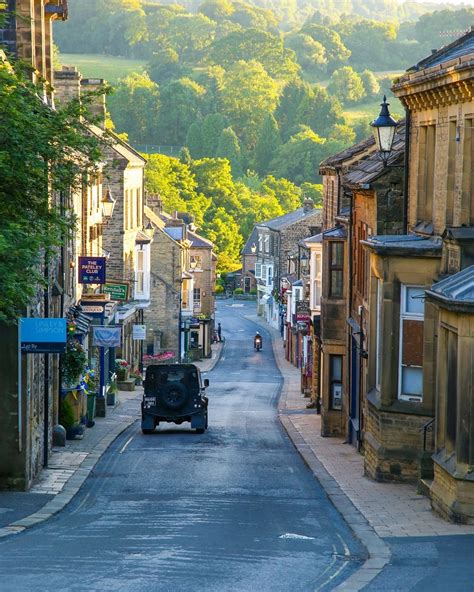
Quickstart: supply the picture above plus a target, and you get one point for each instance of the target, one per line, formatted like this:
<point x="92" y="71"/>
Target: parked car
<point x="174" y="393"/>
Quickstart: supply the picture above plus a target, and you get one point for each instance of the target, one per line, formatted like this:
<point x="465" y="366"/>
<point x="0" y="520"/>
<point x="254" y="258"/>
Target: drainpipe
<point x="406" y="170"/>
<point x="362" y="356"/>
<point x="46" y="371"/>
<point x="349" y="309"/>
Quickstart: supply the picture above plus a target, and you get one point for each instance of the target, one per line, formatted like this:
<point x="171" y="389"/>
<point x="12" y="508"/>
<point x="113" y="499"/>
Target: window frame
<point x="413" y="316"/>
<point x="336" y="268"/>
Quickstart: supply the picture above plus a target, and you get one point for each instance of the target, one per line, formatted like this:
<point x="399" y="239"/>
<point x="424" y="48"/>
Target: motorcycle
<point x="258" y="343"/>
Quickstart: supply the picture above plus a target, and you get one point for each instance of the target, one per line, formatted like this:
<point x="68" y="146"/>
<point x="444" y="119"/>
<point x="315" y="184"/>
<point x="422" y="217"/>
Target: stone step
<point x="424" y="486"/>
<point x="126" y="385"/>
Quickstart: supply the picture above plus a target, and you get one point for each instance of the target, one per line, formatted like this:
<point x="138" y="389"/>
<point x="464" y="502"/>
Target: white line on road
<point x="125" y="445"/>
<point x="292" y="535"/>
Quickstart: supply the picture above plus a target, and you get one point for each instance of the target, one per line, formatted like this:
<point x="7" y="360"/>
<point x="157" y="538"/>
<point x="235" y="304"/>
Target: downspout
<point x="348" y="309"/>
<point x="46" y="371"/>
<point x="406" y="170"/>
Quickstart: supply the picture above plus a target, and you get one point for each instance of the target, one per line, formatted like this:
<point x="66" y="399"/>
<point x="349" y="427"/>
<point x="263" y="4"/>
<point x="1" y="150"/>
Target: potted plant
<point x="91" y="391"/>
<point x="73" y="363"/>
<point x="67" y="420"/>
<point x="122" y="368"/>
<point x="136" y="375"/>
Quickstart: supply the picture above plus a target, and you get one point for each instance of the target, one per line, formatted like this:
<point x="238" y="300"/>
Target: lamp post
<point x="383" y="129"/>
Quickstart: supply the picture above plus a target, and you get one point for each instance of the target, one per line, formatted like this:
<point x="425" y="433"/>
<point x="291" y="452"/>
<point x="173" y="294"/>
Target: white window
<point x="142" y="272"/>
<point x="410" y="379"/>
<point x="378" y="335"/>
<point x="267" y="243"/>
<point x="196" y="299"/>
<point x="317" y="279"/>
<point x="264" y="272"/>
<point x="258" y="270"/>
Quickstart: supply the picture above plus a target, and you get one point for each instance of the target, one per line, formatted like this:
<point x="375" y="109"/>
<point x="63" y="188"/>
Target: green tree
<point x="346" y="85"/>
<point x="194" y="140"/>
<point x="371" y="85"/>
<point x="134" y="107"/>
<point x="212" y="127"/>
<point x="313" y="191"/>
<point x="185" y="156"/>
<point x="258" y="45"/>
<point x="34" y="173"/>
<point x="342" y="133"/>
<point x="298" y="160"/>
<point x="224" y="232"/>
<point x="311" y="54"/>
<point x="216" y="10"/>
<point x="229" y="148"/>
<point x="248" y="94"/>
<point x="319" y="110"/>
<point x="181" y="105"/>
<point x="286" y="112"/>
<point x="336" y="52"/>
<point x="165" y="66"/>
<point x="256" y="207"/>
<point x="268" y="142"/>
<point x="214" y="180"/>
<point x="287" y="194"/>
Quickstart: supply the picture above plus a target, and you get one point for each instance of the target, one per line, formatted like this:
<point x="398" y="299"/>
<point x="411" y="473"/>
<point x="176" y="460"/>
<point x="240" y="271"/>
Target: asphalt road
<point x="234" y="509"/>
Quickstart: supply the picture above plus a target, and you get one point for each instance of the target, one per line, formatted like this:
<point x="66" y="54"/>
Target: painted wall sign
<point x="43" y="336"/>
<point x="107" y="336"/>
<point x="91" y="270"/>
<point x="303" y="311"/>
<point x="116" y="291"/>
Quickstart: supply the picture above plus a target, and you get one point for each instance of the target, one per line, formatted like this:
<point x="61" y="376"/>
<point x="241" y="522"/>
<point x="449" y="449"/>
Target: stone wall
<point x="291" y="235"/>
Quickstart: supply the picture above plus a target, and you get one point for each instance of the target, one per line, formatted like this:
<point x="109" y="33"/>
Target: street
<point x="234" y="509"/>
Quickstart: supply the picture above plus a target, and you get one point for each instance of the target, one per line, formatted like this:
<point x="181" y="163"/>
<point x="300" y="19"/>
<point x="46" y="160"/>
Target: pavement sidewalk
<point x="373" y="511"/>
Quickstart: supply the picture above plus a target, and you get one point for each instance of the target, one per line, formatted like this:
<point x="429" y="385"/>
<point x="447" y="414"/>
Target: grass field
<point x="101" y="66"/>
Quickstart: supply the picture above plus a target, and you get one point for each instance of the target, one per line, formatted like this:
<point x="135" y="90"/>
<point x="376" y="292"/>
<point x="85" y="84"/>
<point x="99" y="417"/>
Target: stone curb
<point x="216" y="359"/>
<point x="72" y="486"/>
<point x="378" y="551"/>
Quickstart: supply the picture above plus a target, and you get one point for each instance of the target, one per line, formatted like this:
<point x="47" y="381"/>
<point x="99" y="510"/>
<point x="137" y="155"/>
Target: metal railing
<point x="427" y="427"/>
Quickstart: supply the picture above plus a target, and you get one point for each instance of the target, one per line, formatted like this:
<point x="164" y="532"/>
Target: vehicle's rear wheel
<point x="147" y="431"/>
<point x="200" y="430"/>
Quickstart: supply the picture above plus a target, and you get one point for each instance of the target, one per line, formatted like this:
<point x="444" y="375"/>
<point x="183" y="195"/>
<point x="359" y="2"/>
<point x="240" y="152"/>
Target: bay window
<point x="410" y="378"/>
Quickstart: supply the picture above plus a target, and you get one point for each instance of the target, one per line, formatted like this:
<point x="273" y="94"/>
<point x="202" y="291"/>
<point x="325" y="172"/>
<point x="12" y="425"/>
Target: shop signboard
<point x="107" y="336"/>
<point x="91" y="270"/>
<point x="116" y="290"/>
<point x="303" y="311"/>
<point x="43" y="336"/>
<point x="139" y="332"/>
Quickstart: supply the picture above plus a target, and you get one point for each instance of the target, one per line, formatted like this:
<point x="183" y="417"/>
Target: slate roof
<point x="247" y="248"/>
<point x="286" y="220"/>
<point x="458" y="48"/>
<point x="456" y="289"/>
<point x="336" y="232"/>
<point x="199" y="241"/>
<point x="142" y="238"/>
<point x="368" y="169"/>
<point x="348" y="153"/>
<point x="405" y="244"/>
<point x="314" y="240"/>
<point x="175" y="232"/>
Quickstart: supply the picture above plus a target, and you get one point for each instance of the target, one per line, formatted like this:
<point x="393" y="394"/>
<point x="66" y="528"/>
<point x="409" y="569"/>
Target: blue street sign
<point x="43" y="336"/>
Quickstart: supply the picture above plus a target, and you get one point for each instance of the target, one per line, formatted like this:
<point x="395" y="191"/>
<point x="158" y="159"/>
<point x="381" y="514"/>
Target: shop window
<point x="410" y="383"/>
<point x="336" y="272"/>
<point x="335" y="381"/>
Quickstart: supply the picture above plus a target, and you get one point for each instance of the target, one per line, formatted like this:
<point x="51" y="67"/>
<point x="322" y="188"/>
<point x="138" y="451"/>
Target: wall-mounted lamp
<point x="108" y="205"/>
<point x="253" y="248"/>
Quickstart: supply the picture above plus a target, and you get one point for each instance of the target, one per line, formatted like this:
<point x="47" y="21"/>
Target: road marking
<point x="292" y="535"/>
<point x="125" y="445"/>
<point x="291" y="469"/>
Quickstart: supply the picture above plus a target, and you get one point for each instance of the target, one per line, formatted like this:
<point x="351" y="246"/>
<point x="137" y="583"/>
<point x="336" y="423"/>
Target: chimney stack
<point x="67" y="84"/>
<point x="308" y="205"/>
<point x="97" y="106"/>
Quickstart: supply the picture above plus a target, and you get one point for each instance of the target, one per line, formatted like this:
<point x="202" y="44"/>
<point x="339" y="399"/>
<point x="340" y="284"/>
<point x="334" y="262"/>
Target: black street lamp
<point x="383" y="129"/>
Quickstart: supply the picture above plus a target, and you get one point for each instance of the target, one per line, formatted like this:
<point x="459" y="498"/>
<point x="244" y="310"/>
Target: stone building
<point x="248" y="282"/>
<point x="426" y="370"/>
<point x="276" y="240"/>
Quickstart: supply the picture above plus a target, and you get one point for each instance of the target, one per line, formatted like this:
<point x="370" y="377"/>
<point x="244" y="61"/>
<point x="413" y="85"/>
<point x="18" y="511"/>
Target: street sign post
<point x="91" y="270"/>
<point x="139" y="332"/>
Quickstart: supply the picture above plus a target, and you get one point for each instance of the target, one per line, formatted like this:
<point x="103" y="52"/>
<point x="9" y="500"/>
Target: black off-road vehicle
<point x="174" y="393"/>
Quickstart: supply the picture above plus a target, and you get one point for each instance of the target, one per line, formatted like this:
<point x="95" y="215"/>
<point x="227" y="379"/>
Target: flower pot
<point x="91" y="405"/>
<point x="75" y="431"/>
<point x="111" y="399"/>
<point x="122" y="374"/>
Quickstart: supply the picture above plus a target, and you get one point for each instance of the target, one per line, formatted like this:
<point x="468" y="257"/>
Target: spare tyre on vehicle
<point x="174" y="393"/>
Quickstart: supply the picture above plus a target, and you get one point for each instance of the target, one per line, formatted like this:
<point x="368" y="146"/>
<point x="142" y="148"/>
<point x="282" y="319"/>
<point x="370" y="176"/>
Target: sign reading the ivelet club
<point x="303" y="311"/>
<point x="92" y="270"/>
<point x="116" y="290"/>
<point x="43" y="336"/>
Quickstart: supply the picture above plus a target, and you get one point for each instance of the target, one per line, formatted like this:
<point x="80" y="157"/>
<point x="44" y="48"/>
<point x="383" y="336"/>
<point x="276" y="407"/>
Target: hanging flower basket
<point x="163" y="358"/>
<point x="73" y="363"/>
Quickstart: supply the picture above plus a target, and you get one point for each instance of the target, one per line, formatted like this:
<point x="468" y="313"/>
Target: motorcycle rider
<point x="257" y="338"/>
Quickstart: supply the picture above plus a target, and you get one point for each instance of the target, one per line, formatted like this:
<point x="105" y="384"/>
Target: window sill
<point x="398" y="406"/>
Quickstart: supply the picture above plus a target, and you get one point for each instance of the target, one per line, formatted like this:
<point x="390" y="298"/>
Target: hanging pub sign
<point x="43" y="336"/>
<point x="303" y="311"/>
<point x="116" y="290"/>
<point x="92" y="270"/>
